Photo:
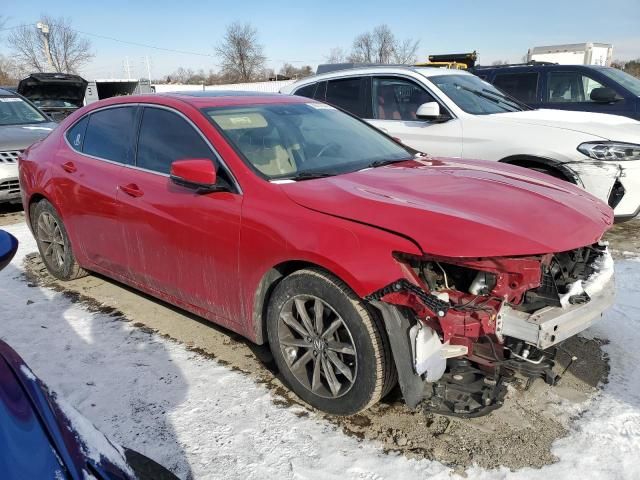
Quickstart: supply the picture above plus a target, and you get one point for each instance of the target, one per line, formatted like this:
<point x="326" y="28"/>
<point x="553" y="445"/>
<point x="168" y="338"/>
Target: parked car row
<point x="453" y="113"/>
<point x="360" y="261"/>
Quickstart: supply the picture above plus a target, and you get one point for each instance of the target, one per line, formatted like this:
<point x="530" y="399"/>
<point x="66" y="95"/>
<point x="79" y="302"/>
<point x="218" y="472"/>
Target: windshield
<point x="474" y="95"/>
<point x="623" y="78"/>
<point x="304" y="140"/>
<point x="54" y="104"/>
<point x="15" y="111"/>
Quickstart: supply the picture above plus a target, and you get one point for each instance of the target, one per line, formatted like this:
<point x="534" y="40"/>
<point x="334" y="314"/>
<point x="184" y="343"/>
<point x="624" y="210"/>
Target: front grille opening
<point x="10" y="186"/>
<point x="10" y="156"/>
<point x="617" y="192"/>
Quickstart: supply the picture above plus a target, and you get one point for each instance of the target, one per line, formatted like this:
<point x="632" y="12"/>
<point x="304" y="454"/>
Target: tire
<point x="344" y="369"/>
<point x="53" y="242"/>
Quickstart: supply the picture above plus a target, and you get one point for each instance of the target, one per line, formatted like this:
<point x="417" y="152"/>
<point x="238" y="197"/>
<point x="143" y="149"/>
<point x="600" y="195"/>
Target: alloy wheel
<point x="51" y="240"/>
<point x="317" y="346"/>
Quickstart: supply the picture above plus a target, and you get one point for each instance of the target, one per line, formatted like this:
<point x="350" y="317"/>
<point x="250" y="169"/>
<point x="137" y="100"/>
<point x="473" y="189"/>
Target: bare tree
<point x="242" y="57"/>
<point x="336" y="55"/>
<point x="290" y="71"/>
<point x="384" y="44"/>
<point x="381" y="46"/>
<point x="363" y="49"/>
<point x="9" y="72"/>
<point x="61" y="49"/>
<point x="405" y="51"/>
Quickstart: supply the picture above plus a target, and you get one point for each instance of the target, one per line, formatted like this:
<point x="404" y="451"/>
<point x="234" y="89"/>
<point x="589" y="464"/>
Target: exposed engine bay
<point x="476" y="324"/>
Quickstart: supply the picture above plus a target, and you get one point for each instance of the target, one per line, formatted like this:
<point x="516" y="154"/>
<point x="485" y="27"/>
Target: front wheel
<point x="327" y="345"/>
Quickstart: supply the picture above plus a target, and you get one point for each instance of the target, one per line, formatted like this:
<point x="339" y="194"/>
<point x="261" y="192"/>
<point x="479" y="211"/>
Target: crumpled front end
<point x="461" y="328"/>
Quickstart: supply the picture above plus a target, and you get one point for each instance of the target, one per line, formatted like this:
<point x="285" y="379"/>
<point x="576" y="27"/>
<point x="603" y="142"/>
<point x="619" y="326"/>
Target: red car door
<point x="99" y="153"/>
<point x="180" y="243"/>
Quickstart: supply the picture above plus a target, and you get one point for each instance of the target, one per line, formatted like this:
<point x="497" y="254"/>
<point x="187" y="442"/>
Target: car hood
<point x="19" y="137"/>
<point x="462" y="208"/>
<point x="39" y="87"/>
<point x="610" y="127"/>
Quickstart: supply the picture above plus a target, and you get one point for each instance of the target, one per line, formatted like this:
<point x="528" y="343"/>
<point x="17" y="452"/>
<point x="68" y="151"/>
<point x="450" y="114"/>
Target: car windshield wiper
<point x="495" y="99"/>
<point x="381" y="163"/>
<point x="306" y="176"/>
<point x="506" y="99"/>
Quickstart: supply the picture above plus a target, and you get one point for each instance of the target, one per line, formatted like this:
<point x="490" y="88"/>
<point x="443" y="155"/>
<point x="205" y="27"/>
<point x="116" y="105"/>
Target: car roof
<point x="4" y="92"/>
<point x="554" y="66"/>
<point x="204" y="99"/>
<point x="376" y="69"/>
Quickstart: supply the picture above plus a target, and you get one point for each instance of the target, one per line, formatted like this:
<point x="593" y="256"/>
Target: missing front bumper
<point x="551" y="325"/>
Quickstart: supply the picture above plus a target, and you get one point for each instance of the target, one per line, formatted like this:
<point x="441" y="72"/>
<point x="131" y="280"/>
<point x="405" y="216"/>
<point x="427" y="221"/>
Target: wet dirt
<point x="519" y="434"/>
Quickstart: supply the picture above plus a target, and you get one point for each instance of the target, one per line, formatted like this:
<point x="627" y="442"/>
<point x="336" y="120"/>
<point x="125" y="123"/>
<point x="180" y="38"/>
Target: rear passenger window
<point x="166" y="137"/>
<point x="110" y="134"/>
<point x="348" y="94"/>
<point x="75" y="135"/>
<point x="523" y="86"/>
<point x="307" y="91"/>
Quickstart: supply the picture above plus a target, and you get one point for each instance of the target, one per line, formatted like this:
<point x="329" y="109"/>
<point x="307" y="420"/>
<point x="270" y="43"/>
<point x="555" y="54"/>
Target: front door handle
<point x="131" y="189"/>
<point x="69" y="167"/>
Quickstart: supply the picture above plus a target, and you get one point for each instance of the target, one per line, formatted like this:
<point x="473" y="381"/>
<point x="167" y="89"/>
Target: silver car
<point x="21" y="124"/>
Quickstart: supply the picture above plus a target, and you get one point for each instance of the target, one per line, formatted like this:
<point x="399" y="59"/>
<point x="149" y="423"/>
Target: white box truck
<point x="573" y="54"/>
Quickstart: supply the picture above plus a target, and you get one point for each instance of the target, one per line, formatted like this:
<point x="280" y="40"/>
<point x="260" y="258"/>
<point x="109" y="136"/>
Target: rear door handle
<point x="69" y="167"/>
<point x="131" y="189"/>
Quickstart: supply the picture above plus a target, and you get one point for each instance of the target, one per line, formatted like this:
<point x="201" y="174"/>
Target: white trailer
<point x="573" y="54"/>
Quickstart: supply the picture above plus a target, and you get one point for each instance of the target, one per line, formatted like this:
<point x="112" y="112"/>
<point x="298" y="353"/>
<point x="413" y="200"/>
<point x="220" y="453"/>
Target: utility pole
<point x="127" y="67"/>
<point x="146" y="58"/>
<point x="44" y="31"/>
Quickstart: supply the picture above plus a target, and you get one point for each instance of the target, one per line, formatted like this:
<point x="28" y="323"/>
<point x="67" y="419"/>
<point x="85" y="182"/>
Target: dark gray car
<point x="21" y="124"/>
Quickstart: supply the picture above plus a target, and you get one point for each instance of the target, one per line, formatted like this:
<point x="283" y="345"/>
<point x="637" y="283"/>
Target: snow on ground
<point x="205" y="421"/>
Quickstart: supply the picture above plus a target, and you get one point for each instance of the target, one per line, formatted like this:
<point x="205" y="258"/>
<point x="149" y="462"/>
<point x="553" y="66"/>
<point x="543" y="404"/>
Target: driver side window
<point x="166" y="137"/>
<point x="398" y="99"/>
<point x="570" y="87"/>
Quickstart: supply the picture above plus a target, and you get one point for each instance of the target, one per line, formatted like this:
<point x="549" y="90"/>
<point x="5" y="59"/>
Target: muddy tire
<point x="53" y="242"/>
<point x="329" y="348"/>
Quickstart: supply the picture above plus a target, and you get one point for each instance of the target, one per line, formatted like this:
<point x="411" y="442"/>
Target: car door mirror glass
<point x="197" y="173"/>
<point x="603" y="95"/>
<point x="428" y="111"/>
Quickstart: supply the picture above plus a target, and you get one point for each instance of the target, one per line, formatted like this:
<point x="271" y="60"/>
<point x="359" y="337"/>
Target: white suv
<point x="453" y="113"/>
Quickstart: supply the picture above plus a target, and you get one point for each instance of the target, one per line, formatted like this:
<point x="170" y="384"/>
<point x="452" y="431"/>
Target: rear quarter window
<point x="307" y="90"/>
<point x="75" y="135"/>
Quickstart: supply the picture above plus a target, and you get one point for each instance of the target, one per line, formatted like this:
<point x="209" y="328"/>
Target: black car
<point x="56" y="94"/>
<point x="587" y="88"/>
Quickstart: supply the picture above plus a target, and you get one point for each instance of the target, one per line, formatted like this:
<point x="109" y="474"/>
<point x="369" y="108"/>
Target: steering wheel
<point x="325" y="148"/>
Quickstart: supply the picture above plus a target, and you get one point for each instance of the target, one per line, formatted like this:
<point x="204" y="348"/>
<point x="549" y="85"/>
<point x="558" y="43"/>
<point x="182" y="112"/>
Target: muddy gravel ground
<point x="10" y="213"/>
<point x="519" y="434"/>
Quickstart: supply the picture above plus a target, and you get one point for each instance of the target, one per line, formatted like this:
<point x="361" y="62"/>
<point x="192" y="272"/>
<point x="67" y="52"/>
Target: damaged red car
<point x="361" y="262"/>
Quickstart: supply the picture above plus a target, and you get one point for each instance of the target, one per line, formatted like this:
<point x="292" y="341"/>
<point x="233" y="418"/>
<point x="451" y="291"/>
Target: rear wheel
<point x="328" y="346"/>
<point x="53" y="242"/>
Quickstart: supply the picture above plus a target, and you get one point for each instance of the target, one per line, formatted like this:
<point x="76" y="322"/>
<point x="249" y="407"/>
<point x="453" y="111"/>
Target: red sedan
<point x="359" y="260"/>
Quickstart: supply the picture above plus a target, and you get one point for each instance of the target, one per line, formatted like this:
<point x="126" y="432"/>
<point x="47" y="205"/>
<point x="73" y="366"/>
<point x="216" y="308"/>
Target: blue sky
<point x="302" y="33"/>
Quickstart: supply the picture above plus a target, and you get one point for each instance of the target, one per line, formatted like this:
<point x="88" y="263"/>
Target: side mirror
<point x="603" y="95"/>
<point x="431" y="111"/>
<point x="8" y="248"/>
<point x="198" y="174"/>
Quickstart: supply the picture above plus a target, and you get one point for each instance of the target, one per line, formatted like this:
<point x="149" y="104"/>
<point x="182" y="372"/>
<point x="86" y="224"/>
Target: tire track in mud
<point x="518" y="435"/>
